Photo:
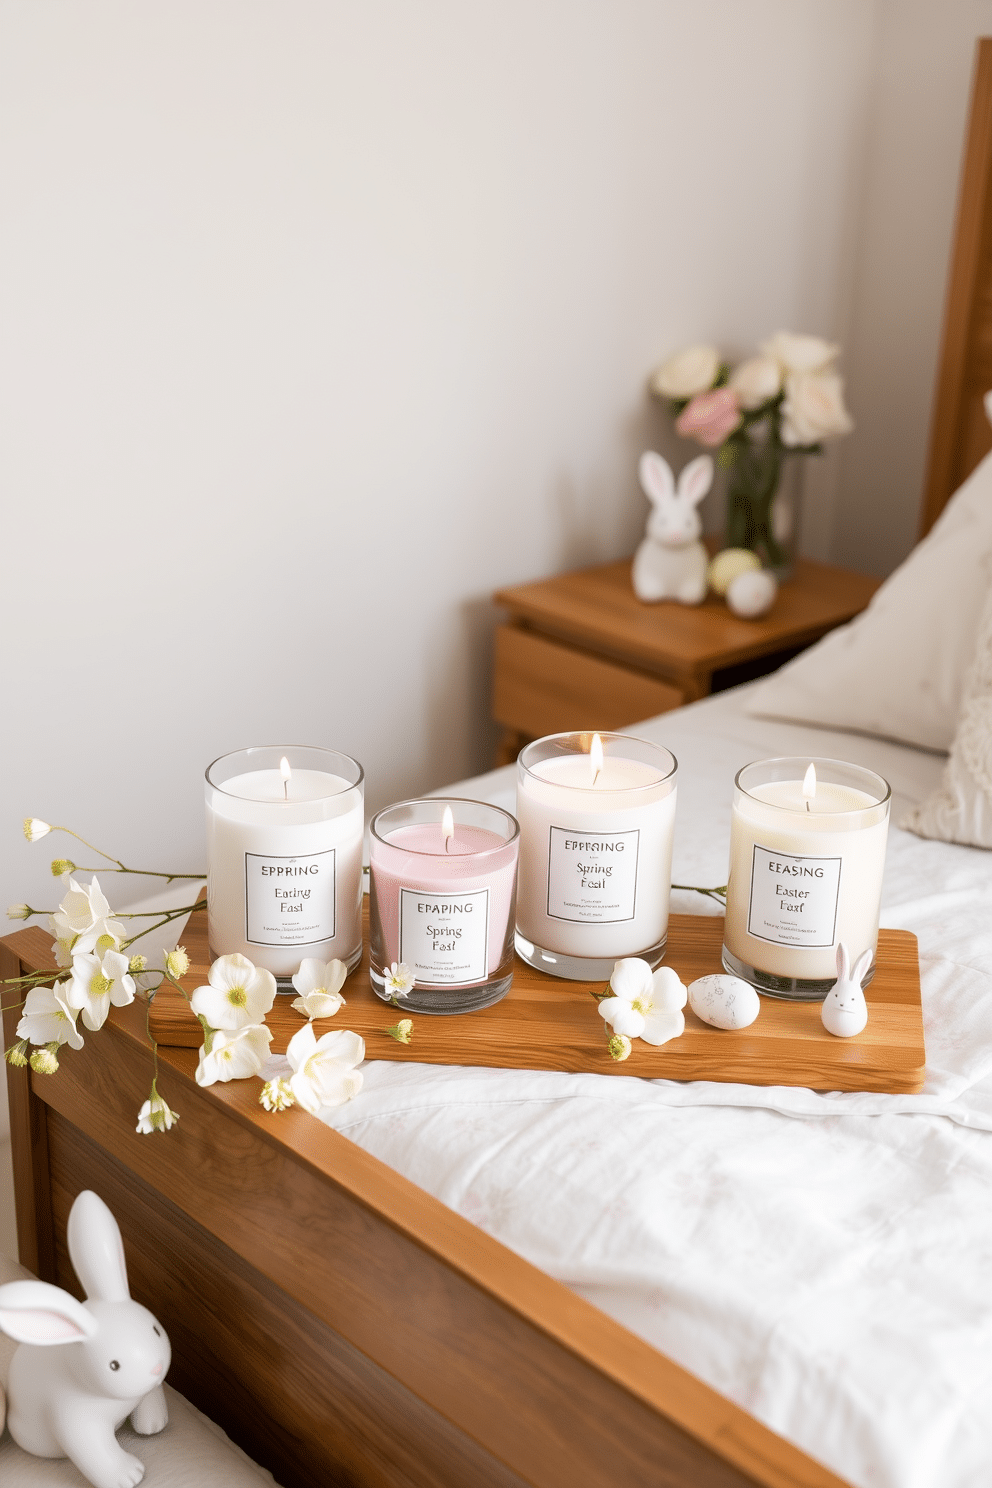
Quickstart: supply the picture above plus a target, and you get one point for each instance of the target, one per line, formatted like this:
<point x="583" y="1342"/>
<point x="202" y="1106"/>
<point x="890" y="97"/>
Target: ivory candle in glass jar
<point x="284" y="857"/>
<point x="807" y="853"/>
<point x="597" y="817"/>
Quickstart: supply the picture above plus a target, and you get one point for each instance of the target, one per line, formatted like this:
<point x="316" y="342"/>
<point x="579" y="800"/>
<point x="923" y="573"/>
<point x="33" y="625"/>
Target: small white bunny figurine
<point x="671" y="562"/>
<point x="84" y="1367"/>
<point x="845" y="1012"/>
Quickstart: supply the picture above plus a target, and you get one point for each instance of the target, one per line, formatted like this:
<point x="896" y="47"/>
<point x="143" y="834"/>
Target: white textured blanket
<point x="824" y="1260"/>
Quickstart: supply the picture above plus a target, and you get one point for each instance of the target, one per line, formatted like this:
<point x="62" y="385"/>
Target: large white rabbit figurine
<point x="844" y="1011"/>
<point x="671" y="562"/>
<point x="84" y="1367"/>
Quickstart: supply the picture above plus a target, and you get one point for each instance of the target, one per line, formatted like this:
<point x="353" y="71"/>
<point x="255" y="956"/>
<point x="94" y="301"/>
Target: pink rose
<point x="710" y="417"/>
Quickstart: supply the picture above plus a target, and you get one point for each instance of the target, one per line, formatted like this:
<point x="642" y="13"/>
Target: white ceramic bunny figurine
<point x="671" y="562"/>
<point x="844" y="1011"/>
<point x="84" y="1367"/>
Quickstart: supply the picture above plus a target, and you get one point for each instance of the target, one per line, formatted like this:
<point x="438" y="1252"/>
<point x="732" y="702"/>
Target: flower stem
<point x="173" y="914"/>
<point x="720" y="894"/>
<point x="120" y="868"/>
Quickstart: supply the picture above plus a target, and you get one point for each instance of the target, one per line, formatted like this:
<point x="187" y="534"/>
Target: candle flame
<point x="809" y="786"/>
<point x="447" y="827"/>
<point x="596" y="757"/>
<point x="286" y="774"/>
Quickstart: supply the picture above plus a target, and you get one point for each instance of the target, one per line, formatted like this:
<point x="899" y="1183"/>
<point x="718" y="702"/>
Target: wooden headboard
<point x="960" y="434"/>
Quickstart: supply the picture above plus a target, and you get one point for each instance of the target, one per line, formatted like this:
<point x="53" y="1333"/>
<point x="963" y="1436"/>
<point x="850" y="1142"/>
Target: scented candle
<point x="597" y="817"/>
<point x="442" y="889"/>
<point x="284" y="857"/>
<point x="807" y="853"/>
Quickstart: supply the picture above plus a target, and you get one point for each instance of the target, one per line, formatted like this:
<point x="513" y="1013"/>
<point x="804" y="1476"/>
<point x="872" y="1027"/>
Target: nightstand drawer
<point x="540" y="687"/>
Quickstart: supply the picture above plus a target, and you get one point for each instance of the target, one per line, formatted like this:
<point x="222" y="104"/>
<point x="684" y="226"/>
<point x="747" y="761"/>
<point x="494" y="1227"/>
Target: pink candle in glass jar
<point x="443" y="889"/>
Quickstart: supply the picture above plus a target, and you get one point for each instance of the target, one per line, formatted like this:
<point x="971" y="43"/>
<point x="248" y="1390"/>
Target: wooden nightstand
<point x="580" y="651"/>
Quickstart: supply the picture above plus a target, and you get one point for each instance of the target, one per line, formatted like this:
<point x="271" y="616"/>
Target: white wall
<point x="920" y="86"/>
<point x="318" y="322"/>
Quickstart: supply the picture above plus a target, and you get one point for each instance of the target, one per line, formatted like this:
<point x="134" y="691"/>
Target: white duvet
<point x="823" y="1260"/>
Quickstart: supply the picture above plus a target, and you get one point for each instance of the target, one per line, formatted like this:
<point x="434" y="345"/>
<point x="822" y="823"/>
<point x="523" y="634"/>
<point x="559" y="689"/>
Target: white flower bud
<point x="18" y="911"/>
<point x="35" y="828"/>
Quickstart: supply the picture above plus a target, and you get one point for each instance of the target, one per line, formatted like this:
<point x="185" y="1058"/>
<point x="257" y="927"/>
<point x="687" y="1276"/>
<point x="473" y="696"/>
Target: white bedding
<point x="824" y="1260"/>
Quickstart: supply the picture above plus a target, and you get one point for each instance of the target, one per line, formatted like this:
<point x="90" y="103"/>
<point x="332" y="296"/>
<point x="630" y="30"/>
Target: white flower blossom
<point x="238" y="994"/>
<point x="48" y="1019"/>
<point x="177" y="962"/>
<point x="645" y="1004"/>
<point x="324" y="1072"/>
<point x="277" y="1095"/>
<point x="398" y="980"/>
<point x="756" y="380"/>
<point x="34" y="828"/>
<point x="99" y="983"/>
<point x="83" y="920"/>
<point x="319" y="984"/>
<point x="813" y="408"/>
<point x="156" y="1114"/>
<point x="800" y="353"/>
<point x="233" y="1055"/>
<point x="690" y="371"/>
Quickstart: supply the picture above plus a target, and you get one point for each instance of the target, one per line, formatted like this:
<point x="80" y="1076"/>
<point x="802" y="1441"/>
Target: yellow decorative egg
<point x="726" y="567"/>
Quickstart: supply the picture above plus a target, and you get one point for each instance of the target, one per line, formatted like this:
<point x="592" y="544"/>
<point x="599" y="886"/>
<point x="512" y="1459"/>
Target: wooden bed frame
<point x="341" y="1324"/>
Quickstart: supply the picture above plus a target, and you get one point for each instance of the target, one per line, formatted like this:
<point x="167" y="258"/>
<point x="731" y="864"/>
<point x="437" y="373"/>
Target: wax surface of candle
<point x="444" y="913"/>
<point x="285" y="868"/>
<point x="595" y="858"/>
<point x="271" y="785"/>
<point x="805" y="872"/>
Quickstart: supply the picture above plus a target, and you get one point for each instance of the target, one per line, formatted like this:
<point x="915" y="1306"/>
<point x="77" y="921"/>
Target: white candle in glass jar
<point x="807" y="854"/>
<point x="284" y="856"/>
<point x="596" y="833"/>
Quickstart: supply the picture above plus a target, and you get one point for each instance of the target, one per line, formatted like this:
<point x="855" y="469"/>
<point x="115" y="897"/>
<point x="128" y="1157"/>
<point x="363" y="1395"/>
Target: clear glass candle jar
<point x="284" y="857"/>
<point x="807" y="854"/>
<point x="597" y="817"/>
<point x="442" y="902"/>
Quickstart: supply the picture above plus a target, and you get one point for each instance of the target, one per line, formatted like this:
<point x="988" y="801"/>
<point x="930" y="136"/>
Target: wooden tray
<point x="548" y="1024"/>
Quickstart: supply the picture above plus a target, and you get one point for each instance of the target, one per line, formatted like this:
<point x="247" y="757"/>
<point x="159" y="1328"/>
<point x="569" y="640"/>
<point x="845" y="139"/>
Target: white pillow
<point x="898" y="670"/>
<point x="960" y="809"/>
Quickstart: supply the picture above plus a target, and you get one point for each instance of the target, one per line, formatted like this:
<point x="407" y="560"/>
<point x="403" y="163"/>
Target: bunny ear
<point x="696" y="479"/>
<point x="657" y="480"/>
<point x="861" y="966"/>
<point x="843" y="964"/>
<point x="34" y="1312"/>
<point x="96" y="1250"/>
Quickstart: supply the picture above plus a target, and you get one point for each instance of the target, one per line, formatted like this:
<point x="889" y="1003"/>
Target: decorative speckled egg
<point x="724" y="1001"/>
<point x="752" y="594"/>
<point x="728" y="564"/>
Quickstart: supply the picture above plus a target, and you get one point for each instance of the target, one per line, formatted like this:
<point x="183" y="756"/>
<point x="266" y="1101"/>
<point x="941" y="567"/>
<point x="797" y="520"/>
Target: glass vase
<point x="764" y="500"/>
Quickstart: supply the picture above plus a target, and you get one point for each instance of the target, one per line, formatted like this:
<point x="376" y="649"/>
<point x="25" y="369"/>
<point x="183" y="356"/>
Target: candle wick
<point x="285" y="790"/>
<point x="807" y="806"/>
<point x="595" y="777"/>
<point x="447" y="844"/>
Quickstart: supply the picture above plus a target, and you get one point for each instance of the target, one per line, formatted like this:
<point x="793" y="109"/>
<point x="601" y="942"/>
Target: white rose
<point x="814" y="408"/>
<point x="800" y="353"/>
<point x="688" y="372"/>
<point x="756" y="380"/>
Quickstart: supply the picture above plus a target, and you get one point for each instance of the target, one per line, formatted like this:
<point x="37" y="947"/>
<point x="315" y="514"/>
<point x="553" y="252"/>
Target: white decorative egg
<point x="752" y="594"/>
<point x="724" y="1001"/>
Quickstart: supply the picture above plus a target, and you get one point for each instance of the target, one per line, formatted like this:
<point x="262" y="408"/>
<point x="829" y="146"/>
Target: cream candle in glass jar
<point x="284" y="857"/>
<point x="597" y="818"/>
<point x="807" y="853"/>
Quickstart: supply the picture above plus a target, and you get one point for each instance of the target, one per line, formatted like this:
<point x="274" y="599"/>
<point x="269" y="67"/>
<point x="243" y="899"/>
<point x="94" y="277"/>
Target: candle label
<point x="289" y="901"/>
<point x="592" y="876"/>
<point x="444" y="938"/>
<point x="793" y="899"/>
